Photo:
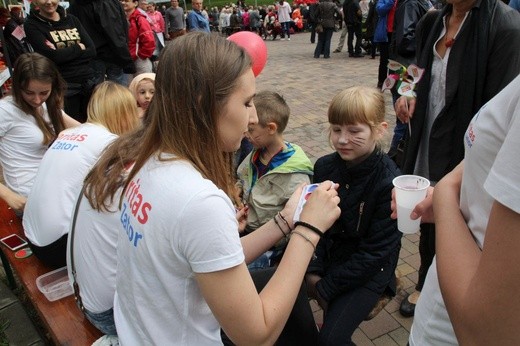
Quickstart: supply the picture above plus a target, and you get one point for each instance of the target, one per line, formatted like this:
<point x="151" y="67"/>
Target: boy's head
<point x="273" y="116"/>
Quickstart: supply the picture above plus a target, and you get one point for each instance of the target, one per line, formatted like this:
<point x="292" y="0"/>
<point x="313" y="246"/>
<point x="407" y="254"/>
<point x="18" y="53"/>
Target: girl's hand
<point x="423" y="210"/>
<point x="242" y="218"/>
<point x="15" y="201"/>
<point x="404" y="108"/>
<point x="321" y="209"/>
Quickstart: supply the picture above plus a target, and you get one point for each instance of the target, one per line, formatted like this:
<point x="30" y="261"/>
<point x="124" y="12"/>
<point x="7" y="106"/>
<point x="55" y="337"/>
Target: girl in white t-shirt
<point x="181" y="271"/>
<point x="470" y="293"/>
<point x="111" y="112"/>
<point x="143" y="88"/>
<point x="30" y="120"/>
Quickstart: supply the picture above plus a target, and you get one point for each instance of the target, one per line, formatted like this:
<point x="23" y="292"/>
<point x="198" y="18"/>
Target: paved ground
<point x="308" y="86"/>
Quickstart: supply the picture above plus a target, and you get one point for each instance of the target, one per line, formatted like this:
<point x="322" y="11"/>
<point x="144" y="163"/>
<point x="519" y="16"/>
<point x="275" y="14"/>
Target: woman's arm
<point x="479" y="287"/>
<point x="68" y="121"/>
<point x="258" y="319"/>
<point x="14" y="200"/>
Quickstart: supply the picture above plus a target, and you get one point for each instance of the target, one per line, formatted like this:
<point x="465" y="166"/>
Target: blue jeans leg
<point x="326" y="45"/>
<point x="104" y="321"/>
<point x="286" y="27"/>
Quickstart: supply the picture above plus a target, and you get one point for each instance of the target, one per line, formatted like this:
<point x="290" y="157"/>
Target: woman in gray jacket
<point x="325" y="16"/>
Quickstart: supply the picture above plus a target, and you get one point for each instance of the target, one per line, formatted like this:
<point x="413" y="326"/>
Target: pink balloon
<point x="254" y="46"/>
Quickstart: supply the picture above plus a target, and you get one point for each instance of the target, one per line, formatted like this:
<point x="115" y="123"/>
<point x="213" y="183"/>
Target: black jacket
<point x="483" y="60"/>
<point x="362" y="247"/>
<point x="407" y="16"/>
<point x="106" y="23"/>
<point x="64" y="35"/>
<point x="352" y="12"/>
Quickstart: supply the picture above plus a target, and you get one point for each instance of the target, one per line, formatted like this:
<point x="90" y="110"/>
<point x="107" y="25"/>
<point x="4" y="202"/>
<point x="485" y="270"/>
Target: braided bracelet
<point x="309" y="226"/>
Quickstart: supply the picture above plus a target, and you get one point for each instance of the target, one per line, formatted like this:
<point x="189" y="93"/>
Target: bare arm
<point x="478" y="286"/>
<point x="68" y="121"/>
<point x="267" y="235"/>
<point x="258" y="319"/>
<point x="14" y="200"/>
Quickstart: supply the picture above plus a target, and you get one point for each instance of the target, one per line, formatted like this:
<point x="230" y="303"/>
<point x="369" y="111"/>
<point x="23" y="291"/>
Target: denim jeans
<point x="323" y="46"/>
<point x="286" y="29"/>
<point x="109" y="71"/>
<point x="104" y="321"/>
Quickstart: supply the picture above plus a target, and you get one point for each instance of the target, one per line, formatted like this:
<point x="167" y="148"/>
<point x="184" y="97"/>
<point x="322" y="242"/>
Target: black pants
<point x="344" y="314"/>
<point x="354" y="30"/>
<point x="426" y="251"/>
<point x="383" y="59"/>
<point x="300" y="328"/>
<point x="53" y="255"/>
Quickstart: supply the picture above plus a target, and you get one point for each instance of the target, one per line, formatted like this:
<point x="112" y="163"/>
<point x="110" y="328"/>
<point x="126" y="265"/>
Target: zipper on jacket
<point x="361" y="205"/>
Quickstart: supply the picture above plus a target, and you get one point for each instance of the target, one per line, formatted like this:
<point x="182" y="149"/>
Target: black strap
<point x="75" y="285"/>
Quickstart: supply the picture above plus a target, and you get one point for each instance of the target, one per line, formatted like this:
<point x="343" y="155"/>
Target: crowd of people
<point x="169" y="238"/>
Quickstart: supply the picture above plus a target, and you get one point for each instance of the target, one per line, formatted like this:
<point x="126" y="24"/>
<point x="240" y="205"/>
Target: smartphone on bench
<point x="13" y="242"/>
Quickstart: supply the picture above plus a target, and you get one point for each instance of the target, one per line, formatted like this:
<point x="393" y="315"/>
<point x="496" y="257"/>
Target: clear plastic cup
<point x="409" y="191"/>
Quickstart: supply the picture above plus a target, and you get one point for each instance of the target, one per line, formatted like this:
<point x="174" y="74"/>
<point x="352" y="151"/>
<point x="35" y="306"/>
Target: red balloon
<point x="254" y="46"/>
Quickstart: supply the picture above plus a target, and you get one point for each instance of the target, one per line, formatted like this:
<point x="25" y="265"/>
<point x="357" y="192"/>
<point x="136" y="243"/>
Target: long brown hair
<point x="33" y="66"/>
<point x="194" y="80"/>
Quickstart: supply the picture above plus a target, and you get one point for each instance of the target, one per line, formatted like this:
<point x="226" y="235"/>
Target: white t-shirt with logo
<point x="173" y="224"/>
<point x="49" y="206"/>
<point x="491" y="172"/>
<point x="21" y="146"/>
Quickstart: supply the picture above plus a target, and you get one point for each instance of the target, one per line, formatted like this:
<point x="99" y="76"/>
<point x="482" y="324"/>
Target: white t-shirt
<point x="173" y="224"/>
<point x="491" y="172"/>
<point x="49" y="206"/>
<point x="21" y="146"/>
<point x="284" y="12"/>
<point x="95" y="256"/>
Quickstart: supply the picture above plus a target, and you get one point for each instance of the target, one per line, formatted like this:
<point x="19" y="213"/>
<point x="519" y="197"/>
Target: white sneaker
<point x="107" y="340"/>
<point x="289" y="39"/>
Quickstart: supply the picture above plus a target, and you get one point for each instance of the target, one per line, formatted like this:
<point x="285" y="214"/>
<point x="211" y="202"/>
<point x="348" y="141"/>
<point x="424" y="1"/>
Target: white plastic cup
<point x="409" y="191"/>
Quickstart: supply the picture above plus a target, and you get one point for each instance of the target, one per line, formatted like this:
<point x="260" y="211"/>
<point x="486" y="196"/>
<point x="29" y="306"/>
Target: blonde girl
<point x="143" y="88"/>
<point x="356" y="259"/>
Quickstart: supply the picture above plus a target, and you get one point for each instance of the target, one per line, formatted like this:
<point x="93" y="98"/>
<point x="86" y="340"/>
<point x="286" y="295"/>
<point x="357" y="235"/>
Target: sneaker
<point x="107" y="340"/>
<point x="289" y="39"/>
<point x="337" y="51"/>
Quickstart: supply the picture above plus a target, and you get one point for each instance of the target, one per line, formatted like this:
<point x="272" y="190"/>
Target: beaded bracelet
<point x="280" y="227"/>
<point x="309" y="226"/>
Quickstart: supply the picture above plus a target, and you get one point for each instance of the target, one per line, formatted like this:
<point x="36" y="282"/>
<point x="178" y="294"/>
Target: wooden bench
<point x="62" y="318"/>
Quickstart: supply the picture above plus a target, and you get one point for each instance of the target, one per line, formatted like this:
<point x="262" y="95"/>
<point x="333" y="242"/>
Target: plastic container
<point x="55" y="284"/>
